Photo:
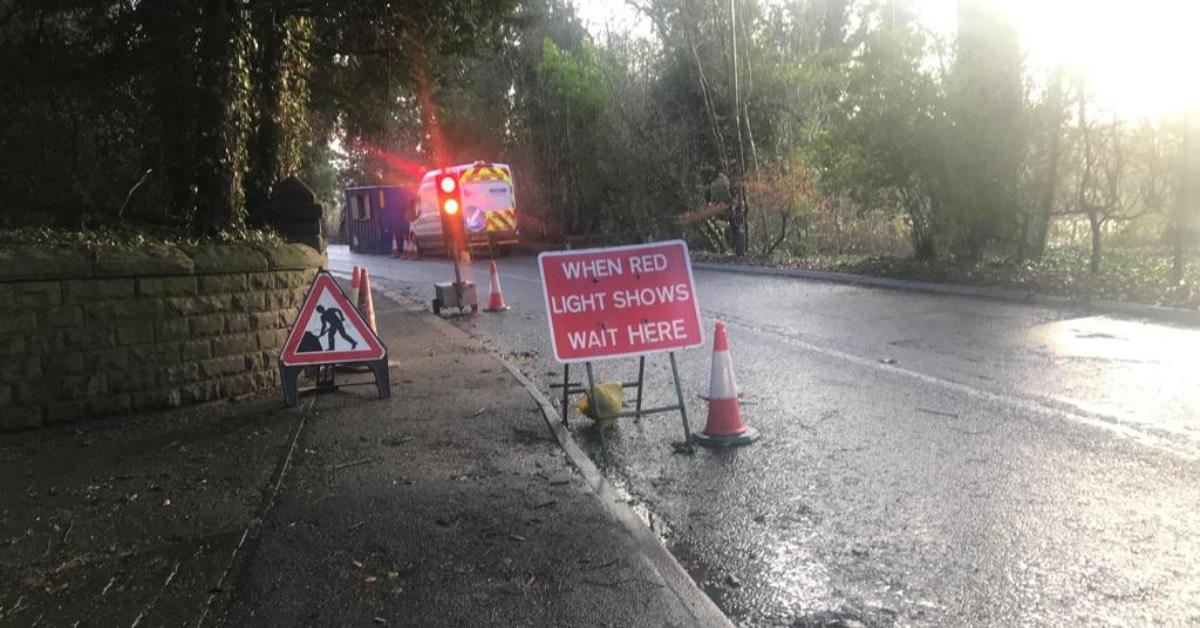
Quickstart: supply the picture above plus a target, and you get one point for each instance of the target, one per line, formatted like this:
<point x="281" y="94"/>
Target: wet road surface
<point x="925" y="460"/>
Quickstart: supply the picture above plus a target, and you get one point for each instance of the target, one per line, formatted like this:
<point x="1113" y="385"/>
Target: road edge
<point x="1157" y="312"/>
<point x="701" y="607"/>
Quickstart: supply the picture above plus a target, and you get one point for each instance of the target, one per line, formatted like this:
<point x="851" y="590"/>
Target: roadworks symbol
<point x="329" y="329"/>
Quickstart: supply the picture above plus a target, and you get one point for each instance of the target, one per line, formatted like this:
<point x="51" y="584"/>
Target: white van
<point x="489" y="208"/>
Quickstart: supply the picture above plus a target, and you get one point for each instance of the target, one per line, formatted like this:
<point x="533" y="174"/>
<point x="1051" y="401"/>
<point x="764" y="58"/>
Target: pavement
<point x="926" y="459"/>
<point x="450" y="504"/>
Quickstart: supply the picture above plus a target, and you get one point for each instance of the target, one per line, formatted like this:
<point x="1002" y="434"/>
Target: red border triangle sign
<point x="315" y="337"/>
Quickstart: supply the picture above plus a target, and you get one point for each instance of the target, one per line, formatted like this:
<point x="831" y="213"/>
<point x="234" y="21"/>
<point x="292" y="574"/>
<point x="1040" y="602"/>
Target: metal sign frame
<point x="290" y="369"/>
<point x="573" y="388"/>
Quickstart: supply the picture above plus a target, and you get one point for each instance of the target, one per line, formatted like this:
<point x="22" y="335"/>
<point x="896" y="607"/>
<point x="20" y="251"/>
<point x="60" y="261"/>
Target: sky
<point x="1139" y="57"/>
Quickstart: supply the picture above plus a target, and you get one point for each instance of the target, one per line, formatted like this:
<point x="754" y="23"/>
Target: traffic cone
<point x="410" y="247"/>
<point x="355" y="279"/>
<point x="496" y="298"/>
<point x="724" y="427"/>
<point x="395" y="246"/>
<point x="366" y="306"/>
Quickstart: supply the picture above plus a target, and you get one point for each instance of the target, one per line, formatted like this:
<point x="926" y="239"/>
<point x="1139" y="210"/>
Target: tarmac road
<point x="925" y="460"/>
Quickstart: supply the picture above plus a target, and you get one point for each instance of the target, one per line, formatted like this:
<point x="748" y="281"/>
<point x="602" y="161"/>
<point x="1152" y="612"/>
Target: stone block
<point x="38" y="392"/>
<point x="200" y="391"/>
<point x="155" y="353"/>
<point x="180" y="285"/>
<point x="135" y="333"/>
<point x="133" y="380"/>
<point x="118" y="309"/>
<point x="12" y="345"/>
<point x="64" y="412"/>
<point x="64" y="316"/>
<point x="238" y="385"/>
<point x="196" y="350"/>
<point x="20" y="368"/>
<point x="272" y="339"/>
<point x="173" y="329"/>
<point x="92" y="336"/>
<point x="237" y="344"/>
<point x="290" y="279"/>
<point x="288" y="316"/>
<point x="18" y="322"/>
<point x="66" y="363"/>
<point x="227" y="365"/>
<point x="260" y="281"/>
<point x="190" y="306"/>
<point x="86" y="290"/>
<point x="224" y="283"/>
<point x="20" y="418"/>
<point x="104" y="360"/>
<point x="179" y="374"/>
<point x="294" y="257"/>
<point x="144" y="259"/>
<point x="75" y="387"/>
<point x="154" y="399"/>
<point x="237" y="323"/>
<point x="37" y="294"/>
<point x="41" y="262"/>
<point x="6" y="396"/>
<point x="221" y="258"/>
<point x="207" y="325"/>
<point x="250" y="302"/>
<point x="260" y="321"/>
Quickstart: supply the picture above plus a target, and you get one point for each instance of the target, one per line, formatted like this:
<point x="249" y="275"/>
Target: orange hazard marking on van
<point x="504" y="220"/>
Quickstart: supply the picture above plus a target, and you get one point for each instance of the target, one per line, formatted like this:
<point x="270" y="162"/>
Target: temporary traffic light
<point x="449" y="194"/>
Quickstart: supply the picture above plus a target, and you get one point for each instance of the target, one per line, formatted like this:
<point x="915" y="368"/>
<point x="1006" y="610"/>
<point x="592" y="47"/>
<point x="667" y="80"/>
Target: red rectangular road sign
<point x="620" y="301"/>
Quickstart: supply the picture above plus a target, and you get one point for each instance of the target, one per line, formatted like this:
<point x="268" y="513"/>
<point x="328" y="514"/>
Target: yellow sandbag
<point x="610" y="400"/>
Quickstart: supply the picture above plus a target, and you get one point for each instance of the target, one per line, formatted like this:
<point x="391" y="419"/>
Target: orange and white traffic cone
<point x="410" y="247"/>
<point x="496" y="298"/>
<point x="395" y="246"/>
<point x="355" y="279"/>
<point x="366" y="305"/>
<point x="724" y="427"/>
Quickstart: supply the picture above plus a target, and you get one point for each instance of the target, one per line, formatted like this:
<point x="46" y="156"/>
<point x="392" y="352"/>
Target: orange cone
<point x="366" y="306"/>
<point x="724" y="427"/>
<point x="395" y="246"/>
<point x="496" y="298"/>
<point x="355" y="279"/>
<point x="410" y="247"/>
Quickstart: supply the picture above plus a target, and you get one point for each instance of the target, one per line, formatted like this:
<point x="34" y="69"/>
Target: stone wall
<point x="88" y="334"/>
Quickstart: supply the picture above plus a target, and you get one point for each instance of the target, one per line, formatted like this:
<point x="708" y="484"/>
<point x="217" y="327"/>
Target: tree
<point x="885" y="141"/>
<point x="988" y="128"/>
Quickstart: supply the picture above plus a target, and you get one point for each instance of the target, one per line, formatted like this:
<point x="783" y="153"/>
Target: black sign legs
<point x="288" y="376"/>
<point x="382" y="380"/>
<point x="572" y="388"/>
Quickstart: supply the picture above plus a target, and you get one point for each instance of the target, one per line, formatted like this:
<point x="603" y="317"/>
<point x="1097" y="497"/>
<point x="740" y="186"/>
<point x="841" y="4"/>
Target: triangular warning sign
<point x="329" y="329"/>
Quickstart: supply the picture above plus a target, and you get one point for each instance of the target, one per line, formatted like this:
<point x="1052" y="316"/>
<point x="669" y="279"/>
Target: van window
<point x="427" y="200"/>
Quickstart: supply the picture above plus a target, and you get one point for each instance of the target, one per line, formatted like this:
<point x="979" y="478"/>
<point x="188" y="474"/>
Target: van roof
<point x="359" y="188"/>
<point x="460" y="167"/>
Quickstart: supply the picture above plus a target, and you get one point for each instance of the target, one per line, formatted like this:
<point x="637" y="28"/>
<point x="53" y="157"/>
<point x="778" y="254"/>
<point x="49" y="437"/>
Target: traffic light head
<point x="448" y="194"/>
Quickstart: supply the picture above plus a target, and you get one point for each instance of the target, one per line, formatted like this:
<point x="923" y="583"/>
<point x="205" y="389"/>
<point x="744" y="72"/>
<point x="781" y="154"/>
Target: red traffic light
<point x="448" y="184"/>
<point x="450" y="206"/>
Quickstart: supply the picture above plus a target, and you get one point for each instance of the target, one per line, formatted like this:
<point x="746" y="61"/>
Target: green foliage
<point x="131" y="238"/>
<point x="575" y="79"/>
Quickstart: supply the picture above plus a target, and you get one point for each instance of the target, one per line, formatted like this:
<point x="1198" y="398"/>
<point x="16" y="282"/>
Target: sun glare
<point x="1138" y="58"/>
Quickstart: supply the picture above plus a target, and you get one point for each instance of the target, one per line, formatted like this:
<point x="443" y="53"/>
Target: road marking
<point x="1058" y="408"/>
<point x="520" y="278"/>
